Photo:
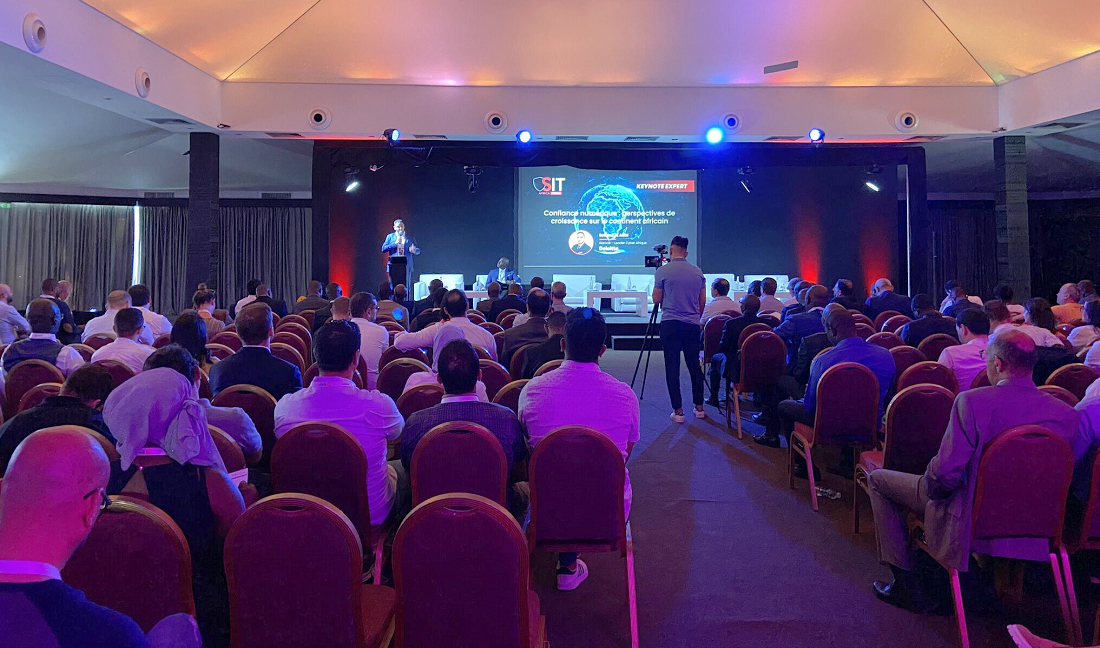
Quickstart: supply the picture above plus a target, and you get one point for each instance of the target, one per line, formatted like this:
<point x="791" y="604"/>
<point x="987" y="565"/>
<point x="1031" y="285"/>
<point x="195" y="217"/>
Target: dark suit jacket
<point x="277" y="306"/>
<point x="540" y="355"/>
<point x="256" y="366"/>
<point x="55" y="410"/>
<point x="887" y="301"/>
<point x="959" y="306"/>
<point x="849" y="302"/>
<point x="793" y="309"/>
<point x="321" y="316"/>
<point x="732" y="331"/>
<point x="916" y="331"/>
<point x="531" y="331"/>
<point x="390" y="246"/>
<point x="69" y="333"/>
<point x="426" y="319"/>
<point x="310" y="303"/>
<point x="807" y="351"/>
<point x="503" y="304"/>
<point x="795" y="328"/>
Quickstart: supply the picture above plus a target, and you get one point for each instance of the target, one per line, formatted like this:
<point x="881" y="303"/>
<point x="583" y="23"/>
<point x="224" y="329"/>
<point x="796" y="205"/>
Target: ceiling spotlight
<point x="715" y="135"/>
<point x="523" y="137"/>
<point x="817" y="135"/>
<point x="872" y="178"/>
<point x="391" y="135"/>
<point x="745" y="172"/>
<point x="472" y="172"/>
<point x="351" y="179"/>
<point x="873" y="186"/>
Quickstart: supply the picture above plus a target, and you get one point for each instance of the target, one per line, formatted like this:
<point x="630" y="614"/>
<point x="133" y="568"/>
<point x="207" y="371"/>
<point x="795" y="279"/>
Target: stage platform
<point x="626" y="331"/>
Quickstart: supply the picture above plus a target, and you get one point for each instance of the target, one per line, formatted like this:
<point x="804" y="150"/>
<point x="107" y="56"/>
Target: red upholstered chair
<point x="577" y="476"/>
<point x="895" y="323"/>
<point x="905" y="357"/>
<point x="275" y="319"/>
<point x="260" y="407"/>
<point x="1061" y="393"/>
<point x="771" y="318"/>
<point x="294" y="341"/>
<point x="419" y="398"/>
<point x="459" y="457"/>
<point x="393" y="376"/>
<point x="515" y="365"/>
<point x="1074" y="378"/>
<point x="1083" y="532"/>
<point x="443" y="546"/>
<point x="229" y="328"/>
<point x="763" y="361"/>
<point x="295" y="319"/>
<point x="311" y="372"/>
<point x="393" y="353"/>
<point x="886" y="340"/>
<point x="492" y="327"/>
<point x="860" y="318"/>
<point x="393" y="336"/>
<point x="231" y="453"/>
<point x="499" y="339"/>
<point x="135" y="561"/>
<point x="507" y="321"/>
<point x="928" y="373"/>
<point x="37" y="394"/>
<point x="748" y="331"/>
<point x="981" y="380"/>
<point x="483" y="353"/>
<point x="299" y="330"/>
<point x="508" y="395"/>
<point x="712" y="335"/>
<point x="99" y="340"/>
<point x="84" y="350"/>
<point x="162" y="341"/>
<point x="290" y="354"/>
<point x="294" y="566"/>
<point x="885" y="316"/>
<point x="391" y="325"/>
<point x="307" y="315"/>
<point x="23" y="377"/>
<point x="864" y="330"/>
<point x="916" y="420"/>
<point x="1065" y="329"/>
<point x="229" y="339"/>
<point x="324" y="460"/>
<point x="120" y="373"/>
<point x="933" y="345"/>
<point x="847" y="415"/>
<point x="475" y="316"/>
<point x="494" y="375"/>
<point x="548" y="366"/>
<point x="219" y="351"/>
<point x="503" y="315"/>
<point x="221" y="314"/>
<point x="1020" y="494"/>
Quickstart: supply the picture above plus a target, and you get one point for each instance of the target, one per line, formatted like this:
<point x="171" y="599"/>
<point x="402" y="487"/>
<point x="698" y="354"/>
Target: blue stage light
<point x="817" y="135"/>
<point x="523" y="137"/>
<point x="392" y="135"/>
<point x="715" y="135"/>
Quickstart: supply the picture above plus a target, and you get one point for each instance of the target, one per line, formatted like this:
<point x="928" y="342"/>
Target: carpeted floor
<point x="727" y="555"/>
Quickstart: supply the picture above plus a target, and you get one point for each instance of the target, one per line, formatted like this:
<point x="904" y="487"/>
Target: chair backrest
<point x="492" y="327"/>
<point x="749" y="330"/>
<point x="120" y="372"/>
<point x="508" y="395"/>
<point x="393" y="376"/>
<point x="292" y="340"/>
<point x="494" y="375"/>
<point x="515" y="365"/>
<point x="294" y="566"/>
<point x="577" y="475"/>
<point x="391" y="325"/>
<point x="1022" y="484"/>
<point x="108" y="448"/>
<point x="1074" y="378"/>
<point x="37" y="394"/>
<point x="323" y="460"/>
<point x="1065" y="329"/>
<point x="507" y="317"/>
<point x="392" y="353"/>
<point x="84" y="350"/>
<point x="981" y="380"/>
<point x="933" y="345"/>
<point x="905" y="357"/>
<point x="1061" y="393"/>
<point x="483" y="353"/>
<point x="847" y="405"/>
<point x="23" y="377"/>
<point x="763" y="361"/>
<point x="1089" y="534"/>
<point x="219" y="351"/>
<point x="928" y="373"/>
<point x="229" y="339"/>
<point x="916" y="419"/>
<point x="135" y="561"/>
<point x="307" y="315"/>
<point x="860" y="318"/>
<point x="162" y="341"/>
<point x="712" y="335"/>
<point x="296" y="319"/>
<point x="894" y="323"/>
<point x="548" y="366"/>
<point x="99" y="340"/>
<point x="221" y="314"/>
<point x="864" y="331"/>
<point x="231" y="453"/>
<point x="886" y="340"/>
<point x="311" y="372"/>
<point x="475" y="316"/>
<point x="499" y="339"/>
<point x="260" y="407"/>
<point x="229" y="328"/>
<point x="299" y="329"/>
<point x="443" y="546"/>
<point x="288" y="353"/>
<point x="419" y="398"/>
<point x="459" y="457"/>
<point x="884" y="317"/>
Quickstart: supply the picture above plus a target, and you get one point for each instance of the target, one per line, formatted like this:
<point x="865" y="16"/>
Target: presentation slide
<point x="599" y="222"/>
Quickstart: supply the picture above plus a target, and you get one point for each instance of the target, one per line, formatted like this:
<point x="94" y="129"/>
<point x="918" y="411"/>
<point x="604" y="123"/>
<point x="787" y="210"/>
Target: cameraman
<point x="686" y="288"/>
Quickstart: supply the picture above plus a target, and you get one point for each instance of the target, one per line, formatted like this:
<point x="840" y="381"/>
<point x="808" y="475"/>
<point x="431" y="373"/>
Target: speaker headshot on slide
<point x="581" y="242"/>
<point x="399" y="244"/>
<point x="681" y="290"/>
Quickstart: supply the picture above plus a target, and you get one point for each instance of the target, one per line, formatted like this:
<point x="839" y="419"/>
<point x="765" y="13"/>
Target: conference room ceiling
<point x="649" y="43"/>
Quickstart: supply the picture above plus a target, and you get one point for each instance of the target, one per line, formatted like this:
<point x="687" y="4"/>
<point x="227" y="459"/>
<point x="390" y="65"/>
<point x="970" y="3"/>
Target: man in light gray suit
<point x="945" y="493"/>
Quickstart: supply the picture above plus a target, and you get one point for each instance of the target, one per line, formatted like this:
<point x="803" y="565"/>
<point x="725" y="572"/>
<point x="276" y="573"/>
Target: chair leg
<point x="855" y="507"/>
<point x="729" y="406"/>
<point x="737" y="411"/>
<point x="1075" y="611"/>
<point x="810" y="476"/>
<point x="790" y="463"/>
<point x="960" y="612"/>
<point x="631" y="594"/>
<point x="1067" y="615"/>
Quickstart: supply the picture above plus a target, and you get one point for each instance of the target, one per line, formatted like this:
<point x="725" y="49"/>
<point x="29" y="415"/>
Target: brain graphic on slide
<point x="614" y="198"/>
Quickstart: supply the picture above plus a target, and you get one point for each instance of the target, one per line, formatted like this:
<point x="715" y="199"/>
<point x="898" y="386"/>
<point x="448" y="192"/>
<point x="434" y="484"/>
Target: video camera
<point x="659" y="259"/>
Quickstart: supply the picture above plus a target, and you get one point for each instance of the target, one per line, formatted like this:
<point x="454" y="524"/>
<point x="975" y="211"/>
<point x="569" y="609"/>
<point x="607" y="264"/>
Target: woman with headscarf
<point x="157" y="415"/>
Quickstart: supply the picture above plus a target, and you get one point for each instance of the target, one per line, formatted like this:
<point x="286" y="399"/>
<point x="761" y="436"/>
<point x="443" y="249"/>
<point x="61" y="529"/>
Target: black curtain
<point x="964" y="244"/>
<point x="271" y="244"/>
<point x="163" y="255"/>
<point x="90" y="245"/>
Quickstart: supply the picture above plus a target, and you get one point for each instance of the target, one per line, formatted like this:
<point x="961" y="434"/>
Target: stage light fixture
<point x="715" y="135"/>
<point x="351" y="179"/>
<point x="872" y="178"/>
<point x="391" y="135"/>
<point x="873" y="186"/>
<point x="524" y="136"/>
<point x="745" y="172"/>
<point x="747" y="186"/>
<point x="817" y="135"/>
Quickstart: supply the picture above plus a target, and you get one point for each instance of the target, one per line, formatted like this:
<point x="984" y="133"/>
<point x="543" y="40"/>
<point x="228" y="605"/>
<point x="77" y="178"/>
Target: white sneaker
<point x="677" y="418"/>
<point x="568" y="581"/>
<point x="700" y="414"/>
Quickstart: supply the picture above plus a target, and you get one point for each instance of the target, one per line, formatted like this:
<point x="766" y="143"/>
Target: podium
<point x="398" y="269"/>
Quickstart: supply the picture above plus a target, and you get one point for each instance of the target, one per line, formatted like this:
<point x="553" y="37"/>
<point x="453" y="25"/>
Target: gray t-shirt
<point x="682" y="284"/>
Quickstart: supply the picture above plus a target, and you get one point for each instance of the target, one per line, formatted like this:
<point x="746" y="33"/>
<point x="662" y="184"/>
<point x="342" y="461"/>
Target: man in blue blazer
<point x="254" y="364"/>
<point x="399" y="244"/>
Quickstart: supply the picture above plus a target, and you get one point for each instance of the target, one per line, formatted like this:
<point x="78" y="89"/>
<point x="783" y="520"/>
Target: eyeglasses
<point x="105" y="502"/>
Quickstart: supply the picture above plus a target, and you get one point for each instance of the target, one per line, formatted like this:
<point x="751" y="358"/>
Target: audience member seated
<point x="79" y="403"/>
<point x="254" y="364"/>
<point x="726" y="362"/>
<point x="373" y="339"/>
<point x="68" y="332"/>
<point x="1000" y="319"/>
<point x="486" y="305"/>
<point x="944" y="494"/>
<point x="1068" y="309"/>
<point x="427" y="303"/>
<point x="883" y="298"/>
<point x="967" y="360"/>
<point x="459" y="372"/>
<point x="455" y="325"/>
<point x="52" y="496"/>
<point x="1088" y="291"/>
<point x="1082" y="337"/>
<point x="190" y="332"/>
<point x="510" y="301"/>
<point x="615" y="410"/>
<point x="45" y="319"/>
<point x="799" y="305"/>
<point x="532" y="331"/>
<point x="557" y="298"/>
<point x="186" y="479"/>
<point x="720" y="302"/>
<point x="537" y="282"/>
<point x="768" y="301"/>
<point x="388" y="307"/>
<point x="368" y="415"/>
<point x="323" y="314"/>
<point x="927" y="321"/>
<point x="957" y="300"/>
<point x="844" y="294"/>
<point x="792" y="288"/>
<point x="401" y="296"/>
<point x="1039" y="323"/>
<point x="249" y="297"/>
<point x="800" y="325"/>
<point x="125" y="348"/>
<point x="12" y="324"/>
<point x="263" y="296"/>
<point x="1005" y="293"/>
<point x="64" y="290"/>
<point x="341" y="309"/>
<point x="205" y="302"/>
<point x="105" y="323"/>
<point x="551" y="349"/>
<point x="313" y="299"/>
<point x="433" y="314"/>
<point x="231" y="420"/>
<point x="755" y="288"/>
<point x="158" y="324"/>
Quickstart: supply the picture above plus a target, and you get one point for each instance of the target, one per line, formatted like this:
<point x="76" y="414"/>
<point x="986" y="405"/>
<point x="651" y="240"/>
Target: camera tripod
<point x="647" y="351"/>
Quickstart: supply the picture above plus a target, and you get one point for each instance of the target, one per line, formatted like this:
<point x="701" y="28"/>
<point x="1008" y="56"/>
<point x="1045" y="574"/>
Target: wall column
<point x="1013" y="237"/>
<point x="203" y="211"/>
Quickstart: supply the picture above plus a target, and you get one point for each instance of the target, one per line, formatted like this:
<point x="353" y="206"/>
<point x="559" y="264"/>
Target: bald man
<point x="53" y="492"/>
<point x="945" y="493"/>
<point x="105" y="323"/>
<point x="263" y="296"/>
<point x="12" y="324"/>
<point x="42" y="344"/>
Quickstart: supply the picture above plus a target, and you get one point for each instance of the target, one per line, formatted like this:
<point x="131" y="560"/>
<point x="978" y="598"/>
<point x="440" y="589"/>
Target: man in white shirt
<point x="609" y="406"/>
<point x="157" y="323"/>
<point x="454" y="309"/>
<point x="721" y="302"/>
<point x="967" y="360"/>
<point x="12" y="324"/>
<point x="1001" y="320"/>
<point x="368" y="415"/>
<point x="105" y="323"/>
<point x="373" y="339"/>
<point x="44" y="318"/>
<point x="250" y="296"/>
<point x="126" y="348"/>
<point x="769" y="303"/>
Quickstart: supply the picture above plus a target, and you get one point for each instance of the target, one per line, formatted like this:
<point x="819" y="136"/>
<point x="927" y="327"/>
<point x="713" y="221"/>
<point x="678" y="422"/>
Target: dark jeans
<point x="723" y="367"/>
<point x="787" y="390"/>
<point x="791" y="412"/>
<point x="676" y="338"/>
